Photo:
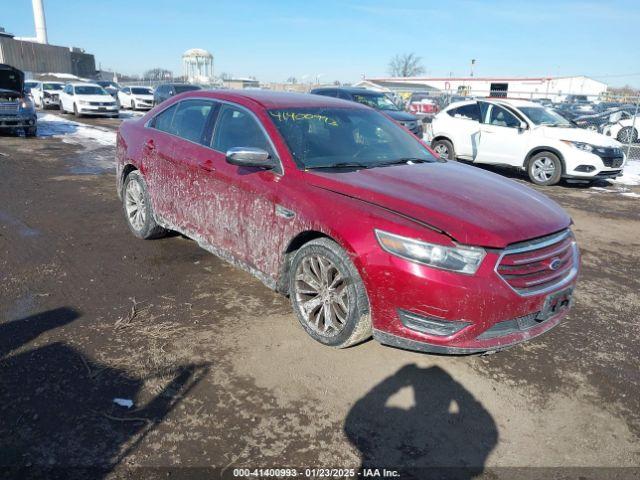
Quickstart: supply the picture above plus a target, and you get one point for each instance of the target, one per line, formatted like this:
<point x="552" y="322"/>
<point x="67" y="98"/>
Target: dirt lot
<point x="223" y="376"/>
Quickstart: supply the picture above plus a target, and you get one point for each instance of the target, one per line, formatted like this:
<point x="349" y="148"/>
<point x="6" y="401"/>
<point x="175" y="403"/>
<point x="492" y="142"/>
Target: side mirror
<point x="523" y="126"/>
<point x="250" y="157"/>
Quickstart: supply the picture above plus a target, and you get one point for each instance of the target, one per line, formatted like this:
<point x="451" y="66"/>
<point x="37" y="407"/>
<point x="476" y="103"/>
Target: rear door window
<point x="467" y="112"/>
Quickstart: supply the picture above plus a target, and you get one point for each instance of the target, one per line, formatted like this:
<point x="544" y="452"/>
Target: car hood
<point x="144" y="97"/>
<point x="11" y="79"/>
<point x="579" y="135"/>
<point x="400" y="116"/>
<point x="473" y="206"/>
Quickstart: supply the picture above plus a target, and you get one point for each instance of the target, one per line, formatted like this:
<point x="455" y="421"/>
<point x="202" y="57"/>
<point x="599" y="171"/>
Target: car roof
<point x="270" y="99"/>
<point x="83" y="84"/>
<point x="138" y="86"/>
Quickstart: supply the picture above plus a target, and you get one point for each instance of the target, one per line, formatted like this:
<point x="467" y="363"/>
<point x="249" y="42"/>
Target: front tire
<point x="627" y="134"/>
<point x="75" y="110"/>
<point x="444" y="148"/>
<point x="137" y="208"/>
<point x="545" y="168"/>
<point x="30" y="131"/>
<point x="328" y="295"/>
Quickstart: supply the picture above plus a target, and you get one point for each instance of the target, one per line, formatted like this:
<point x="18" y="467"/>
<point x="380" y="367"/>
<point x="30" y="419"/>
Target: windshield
<point x="52" y="86"/>
<point x="90" y="90"/>
<point x="346" y="137"/>
<point x="186" y="88"/>
<point x="545" y="116"/>
<point x="379" y="102"/>
<point x="141" y="91"/>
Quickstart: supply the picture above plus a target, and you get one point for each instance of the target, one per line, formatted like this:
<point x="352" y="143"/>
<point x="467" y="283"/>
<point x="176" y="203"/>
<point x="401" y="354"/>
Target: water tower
<point x="197" y="65"/>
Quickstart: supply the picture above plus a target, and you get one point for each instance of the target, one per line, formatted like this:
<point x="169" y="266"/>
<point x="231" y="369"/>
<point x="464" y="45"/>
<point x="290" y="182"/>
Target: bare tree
<point x="157" y="74"/>
<point x="405" y="65"/>
<point x="292" y="80"/>
<point x="225" y="76"/>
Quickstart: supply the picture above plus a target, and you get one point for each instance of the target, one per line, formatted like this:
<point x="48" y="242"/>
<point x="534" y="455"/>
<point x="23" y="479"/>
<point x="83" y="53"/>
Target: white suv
<point x="527" y="135"/>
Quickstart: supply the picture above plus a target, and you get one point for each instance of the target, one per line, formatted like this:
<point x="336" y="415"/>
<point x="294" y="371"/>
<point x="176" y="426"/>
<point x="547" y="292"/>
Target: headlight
<point x="585" y="147"/>
<point x="460" y="259"/>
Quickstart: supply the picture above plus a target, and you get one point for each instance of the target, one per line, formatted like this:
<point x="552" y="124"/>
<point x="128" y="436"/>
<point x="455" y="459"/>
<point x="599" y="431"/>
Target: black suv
<point x="167" y="90"/>
<point x="376" y="100"/>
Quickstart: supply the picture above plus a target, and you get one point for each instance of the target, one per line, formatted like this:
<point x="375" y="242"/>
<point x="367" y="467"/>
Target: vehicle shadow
<point x="57" y="414"/>
<point x="441" y="431"/>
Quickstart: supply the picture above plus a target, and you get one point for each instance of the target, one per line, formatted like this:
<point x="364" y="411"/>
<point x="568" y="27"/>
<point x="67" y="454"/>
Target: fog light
<point x="430" y="325"/>
<point x="585" y="168"/>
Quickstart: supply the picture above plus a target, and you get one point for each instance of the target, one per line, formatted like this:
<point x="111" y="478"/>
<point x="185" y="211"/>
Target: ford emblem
<point x="555" y="264"/>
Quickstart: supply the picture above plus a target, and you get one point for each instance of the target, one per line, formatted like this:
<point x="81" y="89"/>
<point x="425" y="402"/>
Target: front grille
<point x="101" y="104"/>
<point x="8" y="108"/>
<point x="539" y="265"/>
<point x="612" y="162"/>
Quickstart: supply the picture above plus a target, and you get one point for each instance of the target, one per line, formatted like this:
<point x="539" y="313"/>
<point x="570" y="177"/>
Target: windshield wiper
<point x="340" y="165"/>
<point x="401" y="161"/>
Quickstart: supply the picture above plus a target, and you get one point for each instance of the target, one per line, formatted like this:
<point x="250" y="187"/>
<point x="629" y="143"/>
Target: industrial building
<point x="35" y="55"/>
<point x="554" y="88"/>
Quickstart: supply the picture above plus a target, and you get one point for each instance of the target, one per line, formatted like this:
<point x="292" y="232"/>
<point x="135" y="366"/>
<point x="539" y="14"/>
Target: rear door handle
<point x="207" y="166"/>
<point x="149" y="146"/>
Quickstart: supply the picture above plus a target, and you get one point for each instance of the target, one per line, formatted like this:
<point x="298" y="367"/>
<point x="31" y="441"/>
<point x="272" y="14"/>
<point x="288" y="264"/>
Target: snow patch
<point x="50" y="125"/>
<point x="630" y="173"/>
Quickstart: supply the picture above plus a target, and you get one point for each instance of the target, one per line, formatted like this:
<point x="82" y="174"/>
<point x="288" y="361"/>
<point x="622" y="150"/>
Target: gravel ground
<point x="221" y="375"/>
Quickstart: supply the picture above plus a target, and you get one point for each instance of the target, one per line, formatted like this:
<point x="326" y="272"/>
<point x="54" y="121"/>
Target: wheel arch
<point x="540" y="149"/>
<point x="300" y="239"/>
<point x="126" y="170"/>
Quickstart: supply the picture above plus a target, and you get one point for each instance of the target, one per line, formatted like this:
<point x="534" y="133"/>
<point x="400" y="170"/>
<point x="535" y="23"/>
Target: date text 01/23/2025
<point x="314" y="473"/>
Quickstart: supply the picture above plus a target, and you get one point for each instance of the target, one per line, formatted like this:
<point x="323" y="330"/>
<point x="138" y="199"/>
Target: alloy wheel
<point x="135" y="205"/>
<point x="322" y="296"/>
<point x="543" y="169"/>
<point x="442" y="150"/>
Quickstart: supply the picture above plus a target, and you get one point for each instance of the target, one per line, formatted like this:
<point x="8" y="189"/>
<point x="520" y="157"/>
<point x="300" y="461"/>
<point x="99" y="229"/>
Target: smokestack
<point x="41" y="24"/>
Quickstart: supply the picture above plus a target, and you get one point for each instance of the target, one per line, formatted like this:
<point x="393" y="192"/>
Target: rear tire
<point x="444" y="148"/>
<point x="137" y="208"/>
<point x="544" y="168"/>
<point x="627" y="134"/>
<point x="328" y="295"/>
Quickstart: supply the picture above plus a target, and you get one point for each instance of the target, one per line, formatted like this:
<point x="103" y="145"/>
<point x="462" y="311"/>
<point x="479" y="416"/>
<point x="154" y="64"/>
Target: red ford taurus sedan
<point x="366" y="230"/>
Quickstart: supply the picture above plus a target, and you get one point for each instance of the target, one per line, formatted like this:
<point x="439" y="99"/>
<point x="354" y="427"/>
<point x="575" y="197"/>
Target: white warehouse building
<point x="554" y="88"/>
<point x="197" y="66"/>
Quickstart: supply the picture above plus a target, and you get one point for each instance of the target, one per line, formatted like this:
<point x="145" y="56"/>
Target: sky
<point x="347" y="39"/>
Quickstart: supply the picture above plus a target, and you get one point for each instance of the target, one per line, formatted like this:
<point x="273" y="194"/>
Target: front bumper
<point x="601" y="166"/>
<point x="91" y="110"/>
<point x="51" y="101"/>
<point x="498" y="317"/>
<point x="18" y="121"/>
